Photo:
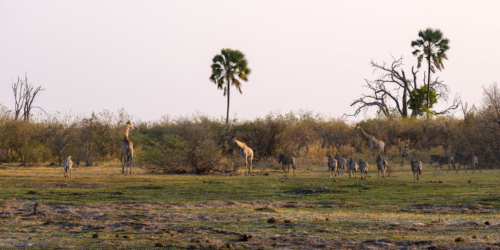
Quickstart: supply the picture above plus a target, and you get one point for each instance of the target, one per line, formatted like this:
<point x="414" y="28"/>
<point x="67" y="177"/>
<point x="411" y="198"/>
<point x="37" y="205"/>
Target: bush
<point x="184" y="147"/>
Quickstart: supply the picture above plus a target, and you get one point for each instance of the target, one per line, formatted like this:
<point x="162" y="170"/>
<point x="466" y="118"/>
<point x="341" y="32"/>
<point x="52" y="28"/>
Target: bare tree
<point x="24" y="96"/>
<point x="59" y="133"/>
<point x="392" y="91"/>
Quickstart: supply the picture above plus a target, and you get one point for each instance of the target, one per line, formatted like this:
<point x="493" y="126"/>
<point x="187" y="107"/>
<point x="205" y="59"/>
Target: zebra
<point x="332" y="166"/>
<point x="440" y="160"/>
<point x="352" y="168"/>
<point x="473" y="160"/>
<point x="416" y="168"/>
<point x="363" y="168"/>
<point x="382" y="165"/>
<point x="470" y="160"/>
<point x="67" y="164"/>
<point x="341" y="164"/>
<point x="286" y="161"/>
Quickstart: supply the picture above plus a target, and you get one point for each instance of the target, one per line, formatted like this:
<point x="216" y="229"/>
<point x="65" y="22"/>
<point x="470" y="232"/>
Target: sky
<point x="153" y="58"/>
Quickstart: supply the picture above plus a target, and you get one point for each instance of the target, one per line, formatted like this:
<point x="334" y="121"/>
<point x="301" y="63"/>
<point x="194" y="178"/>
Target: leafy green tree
<point x="227" y="67"/>
<point x="432" y="46"/>
<point x="418" y="100"/>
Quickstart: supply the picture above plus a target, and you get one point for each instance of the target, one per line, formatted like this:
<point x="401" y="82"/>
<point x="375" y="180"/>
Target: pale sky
<point x="153" y="58"/>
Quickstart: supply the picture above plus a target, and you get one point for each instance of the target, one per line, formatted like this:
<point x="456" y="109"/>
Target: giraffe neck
<point x="368" y="136"/>
<point x="126" y="133"/>
<point x="240" y="144"/>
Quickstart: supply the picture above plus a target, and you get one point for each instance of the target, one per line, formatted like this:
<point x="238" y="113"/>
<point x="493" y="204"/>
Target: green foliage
<point x="186" y="146"/>
<point x="418" y="100"/>
<point x="432" y="46"/>
<point x="227" y="67"/>
<point x="163" y="155"/>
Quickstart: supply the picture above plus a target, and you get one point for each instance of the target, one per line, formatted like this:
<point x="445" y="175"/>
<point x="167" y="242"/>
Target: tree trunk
<point x="405" y="103"/>
<point x="428" y="84"/>
<point x="60" y="157"/>
<point x="228" y="91"/>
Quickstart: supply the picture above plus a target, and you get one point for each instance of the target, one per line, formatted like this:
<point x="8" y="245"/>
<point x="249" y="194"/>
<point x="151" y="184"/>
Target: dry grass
<point x="175" y="209"/>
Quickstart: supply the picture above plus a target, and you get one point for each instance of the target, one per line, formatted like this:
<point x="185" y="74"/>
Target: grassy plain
<point x="186" y="211"/>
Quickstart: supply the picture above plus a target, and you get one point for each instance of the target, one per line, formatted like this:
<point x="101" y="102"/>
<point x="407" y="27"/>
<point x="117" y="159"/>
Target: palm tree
<point x="433" y="47"/>
<point x="227" y="67"/>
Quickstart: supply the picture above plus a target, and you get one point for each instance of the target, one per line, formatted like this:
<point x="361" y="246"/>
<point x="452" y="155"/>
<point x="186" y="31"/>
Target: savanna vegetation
<point x="199" y="144"/>
<point x="186" y="191"/>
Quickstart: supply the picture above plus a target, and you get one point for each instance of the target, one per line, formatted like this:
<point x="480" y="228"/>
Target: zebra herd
<point x="337" y="164"/>
<point x="471" y="161"/>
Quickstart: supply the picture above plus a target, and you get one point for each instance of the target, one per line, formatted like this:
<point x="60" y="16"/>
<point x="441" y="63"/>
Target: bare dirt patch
<point x="445" y="209"/>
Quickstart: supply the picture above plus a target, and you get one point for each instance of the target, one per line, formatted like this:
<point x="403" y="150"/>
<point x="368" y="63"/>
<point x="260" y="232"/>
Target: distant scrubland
<point x="201" y="144"/>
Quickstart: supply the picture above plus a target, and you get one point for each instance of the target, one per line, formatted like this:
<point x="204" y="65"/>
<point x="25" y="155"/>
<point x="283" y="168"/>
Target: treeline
<point x="200" y="144"/>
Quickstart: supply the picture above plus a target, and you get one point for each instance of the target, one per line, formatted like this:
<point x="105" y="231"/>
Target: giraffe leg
<point x="131" y="161"/>
<point x="250" y="163"/>
<point x="122" y="162"/>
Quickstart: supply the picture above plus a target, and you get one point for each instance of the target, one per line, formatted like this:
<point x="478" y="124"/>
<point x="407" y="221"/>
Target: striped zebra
<point x="341" y="164"/>
<point x="470" y="160"/>
<point x="416" y="168"/>
<point x="332" y="166"/>
<point x="363" y="168"/>
<point x="286" y="161"/>
<point x="352" y="167"/>
<point x="440" y="160"/>
<point x="382" y="165"/>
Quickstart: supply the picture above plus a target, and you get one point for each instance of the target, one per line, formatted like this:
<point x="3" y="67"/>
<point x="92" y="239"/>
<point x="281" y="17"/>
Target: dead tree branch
<point x="391" y="92"/>
<point x="24" y="96"/>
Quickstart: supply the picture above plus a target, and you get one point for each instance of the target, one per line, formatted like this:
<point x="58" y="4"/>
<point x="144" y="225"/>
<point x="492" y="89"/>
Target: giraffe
<point x="67" y="164"/>
<point x="373" y="143"/>
<point x="127" y="151"/>
<point x="246" y="154"/>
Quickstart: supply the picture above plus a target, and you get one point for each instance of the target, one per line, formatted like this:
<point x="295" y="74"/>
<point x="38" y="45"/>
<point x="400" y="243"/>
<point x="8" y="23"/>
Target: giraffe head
<point x="129" y="125"/>
<point x="358" y="126"/>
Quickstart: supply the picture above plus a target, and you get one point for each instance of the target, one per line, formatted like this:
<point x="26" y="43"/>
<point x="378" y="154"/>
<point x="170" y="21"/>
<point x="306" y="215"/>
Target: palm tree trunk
<point x="428" y="84"/>
<point x="228" y="91"/>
